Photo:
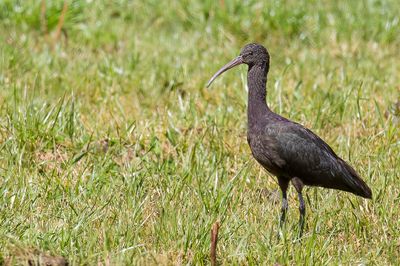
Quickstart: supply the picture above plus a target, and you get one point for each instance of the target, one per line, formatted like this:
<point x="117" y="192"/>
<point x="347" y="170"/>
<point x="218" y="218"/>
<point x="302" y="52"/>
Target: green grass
<point x="113" y="151"/>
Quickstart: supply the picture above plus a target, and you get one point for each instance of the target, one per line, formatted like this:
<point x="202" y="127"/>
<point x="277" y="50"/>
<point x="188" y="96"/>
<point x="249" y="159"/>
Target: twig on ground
<point x="214" y="239"/>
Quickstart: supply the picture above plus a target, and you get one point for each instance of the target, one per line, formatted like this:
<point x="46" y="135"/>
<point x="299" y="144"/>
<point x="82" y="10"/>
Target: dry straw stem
<point x="43" y="18"/>
<point x="214" y="239"/>
<point x="60" y="22"/>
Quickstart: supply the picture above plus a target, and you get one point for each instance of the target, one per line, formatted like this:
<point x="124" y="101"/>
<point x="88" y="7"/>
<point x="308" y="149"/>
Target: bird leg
<point x="298" y="184"/>
<point x="302" y="209"/>
<point x="283" y="184"/>
<point x="284" y="209"/>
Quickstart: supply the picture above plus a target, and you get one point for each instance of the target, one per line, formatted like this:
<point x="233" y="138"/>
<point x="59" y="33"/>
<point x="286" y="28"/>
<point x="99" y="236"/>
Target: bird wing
<point x="292" y="148"/>
<point x="309" y="158"/>
<point x="304" y="152"/>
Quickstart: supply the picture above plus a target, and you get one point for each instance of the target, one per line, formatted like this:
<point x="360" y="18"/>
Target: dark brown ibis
<point x="284" y="148"/>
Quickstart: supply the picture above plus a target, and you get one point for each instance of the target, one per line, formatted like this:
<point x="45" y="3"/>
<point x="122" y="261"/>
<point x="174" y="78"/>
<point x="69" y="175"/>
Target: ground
<point x="112" y="151"/>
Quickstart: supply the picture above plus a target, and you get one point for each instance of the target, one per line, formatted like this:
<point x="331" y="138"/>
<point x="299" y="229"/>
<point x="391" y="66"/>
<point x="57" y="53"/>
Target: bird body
<point x="284" y="148"/>
<point x="287" y="149"/>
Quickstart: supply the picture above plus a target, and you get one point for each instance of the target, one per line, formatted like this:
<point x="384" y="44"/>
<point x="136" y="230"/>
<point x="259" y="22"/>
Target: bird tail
<point x="355" y="183"/>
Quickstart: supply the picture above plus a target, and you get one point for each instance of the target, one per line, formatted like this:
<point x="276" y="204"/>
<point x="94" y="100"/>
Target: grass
<point x="112" y="151"/>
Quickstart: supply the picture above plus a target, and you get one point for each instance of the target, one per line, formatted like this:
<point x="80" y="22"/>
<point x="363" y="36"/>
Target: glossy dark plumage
<point x="285" y="148"/>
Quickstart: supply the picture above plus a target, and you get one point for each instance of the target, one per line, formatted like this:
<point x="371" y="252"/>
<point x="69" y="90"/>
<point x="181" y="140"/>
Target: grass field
<point x="112" y="151"/>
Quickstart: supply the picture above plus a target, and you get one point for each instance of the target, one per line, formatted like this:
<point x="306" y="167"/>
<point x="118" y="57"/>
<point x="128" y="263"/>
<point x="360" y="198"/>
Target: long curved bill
<point x="237" y="61"/>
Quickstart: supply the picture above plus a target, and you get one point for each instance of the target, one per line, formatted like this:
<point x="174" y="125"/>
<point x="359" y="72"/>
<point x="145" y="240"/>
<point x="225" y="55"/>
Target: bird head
<point x="252" y="54"/>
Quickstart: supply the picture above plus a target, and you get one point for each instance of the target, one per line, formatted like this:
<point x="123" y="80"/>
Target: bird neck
<point x="256" y="81"/>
